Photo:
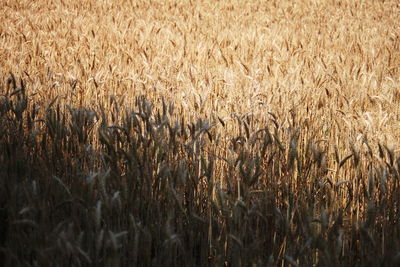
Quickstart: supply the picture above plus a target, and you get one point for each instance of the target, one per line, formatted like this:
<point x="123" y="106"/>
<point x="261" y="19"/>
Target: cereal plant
<point x="199" y="133"/>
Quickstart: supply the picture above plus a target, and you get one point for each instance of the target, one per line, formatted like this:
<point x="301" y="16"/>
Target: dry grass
<point x="200" y="133"/>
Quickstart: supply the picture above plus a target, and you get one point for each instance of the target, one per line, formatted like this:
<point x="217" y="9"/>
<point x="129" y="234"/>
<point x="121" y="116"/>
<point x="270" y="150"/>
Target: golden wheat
<point x="234" y="115"/>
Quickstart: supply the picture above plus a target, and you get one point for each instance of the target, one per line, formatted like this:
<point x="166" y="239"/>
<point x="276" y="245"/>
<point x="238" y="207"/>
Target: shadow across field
<point x="145" y="187"/>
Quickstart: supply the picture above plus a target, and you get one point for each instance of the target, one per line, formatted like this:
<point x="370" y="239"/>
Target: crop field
<point x="199" y="133"/>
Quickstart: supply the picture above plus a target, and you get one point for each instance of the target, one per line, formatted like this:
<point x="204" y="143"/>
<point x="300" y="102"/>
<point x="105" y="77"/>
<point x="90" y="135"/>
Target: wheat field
<point x="199" y="133"/>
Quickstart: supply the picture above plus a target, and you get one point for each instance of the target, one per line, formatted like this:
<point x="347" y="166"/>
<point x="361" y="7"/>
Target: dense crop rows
<point x="203" y="133"/>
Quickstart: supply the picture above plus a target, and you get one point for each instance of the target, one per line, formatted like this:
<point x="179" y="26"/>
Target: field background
<point x="322" y="76"/>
